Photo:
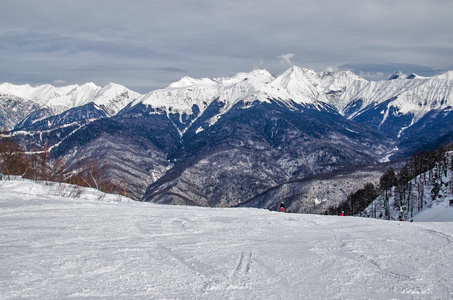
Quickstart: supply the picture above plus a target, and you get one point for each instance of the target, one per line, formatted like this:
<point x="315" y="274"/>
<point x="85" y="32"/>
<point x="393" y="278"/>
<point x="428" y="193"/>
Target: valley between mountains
<point x="304" y="137"/>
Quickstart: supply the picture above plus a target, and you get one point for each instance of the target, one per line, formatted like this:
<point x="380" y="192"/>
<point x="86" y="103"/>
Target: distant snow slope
<point x="58" y="99"/>
<point x="52" y="247"/>
<point x="112" y="97"/>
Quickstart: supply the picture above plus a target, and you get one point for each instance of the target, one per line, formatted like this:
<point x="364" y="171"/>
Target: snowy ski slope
<point x="107" y="247"/>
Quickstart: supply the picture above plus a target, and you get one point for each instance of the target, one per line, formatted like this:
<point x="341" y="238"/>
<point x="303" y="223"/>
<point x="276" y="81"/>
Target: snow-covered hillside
<point x="95" y="246"/>
<point x="440" y="211"/>
<point x="426" y="197"/>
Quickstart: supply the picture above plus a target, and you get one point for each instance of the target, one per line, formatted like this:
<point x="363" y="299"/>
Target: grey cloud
<point x="151" y="43"/>
<point x="171" y="69"/>
<point x="383" y="71"/>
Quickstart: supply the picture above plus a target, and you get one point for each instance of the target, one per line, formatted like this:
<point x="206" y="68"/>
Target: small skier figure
<point x="341" y="214"/>
<point x="400" y="217"/>
<point x="282" y="207"/>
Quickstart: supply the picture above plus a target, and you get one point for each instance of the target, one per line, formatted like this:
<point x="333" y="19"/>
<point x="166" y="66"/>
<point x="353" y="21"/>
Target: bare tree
<point x="12" y="158"/>
<point x="43" y="163"/>
<point x="387" y="181"/>
<point x="58" y="170"/>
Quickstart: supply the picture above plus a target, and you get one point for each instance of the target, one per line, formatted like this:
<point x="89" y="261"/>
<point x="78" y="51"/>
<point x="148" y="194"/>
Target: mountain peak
<point x="112" y="85"/>
<point x="259" y="74"/>
<point x="446" y="76"/>
<point x="299" y="71"/>
<point x="113" y="89"/>
<point x="23" y="91"/>
<point x="297" y="79"/>
<point x="401" y="75"/>
<point x="90" y="85"/>
<point x="187" y="81"/>
<point x="114" y="97"/>
<point x="398" y="75"/>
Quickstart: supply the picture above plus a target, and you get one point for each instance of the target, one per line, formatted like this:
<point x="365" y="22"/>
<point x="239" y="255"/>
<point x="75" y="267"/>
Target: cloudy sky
<point x="146" y="45"/>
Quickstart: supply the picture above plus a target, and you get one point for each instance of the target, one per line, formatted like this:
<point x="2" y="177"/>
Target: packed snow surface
<point x="96" y="246"/>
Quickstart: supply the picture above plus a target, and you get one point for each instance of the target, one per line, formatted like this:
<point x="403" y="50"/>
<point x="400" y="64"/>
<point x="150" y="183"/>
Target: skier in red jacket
<point x="282" y="207"/>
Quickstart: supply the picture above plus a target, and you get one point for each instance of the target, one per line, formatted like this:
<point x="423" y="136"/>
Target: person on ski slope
<point x="341" y="214"/>
<point x="282" y="207"/>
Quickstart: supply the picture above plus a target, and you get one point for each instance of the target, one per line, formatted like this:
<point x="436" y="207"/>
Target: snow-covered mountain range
<point x="17" y="101"/>
<point x="349" y="94"/>
<point x="411" y="94"/>
<point x="203" y="138"/>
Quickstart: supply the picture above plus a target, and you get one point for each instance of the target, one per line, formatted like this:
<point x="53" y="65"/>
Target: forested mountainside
<point x="226" y="141"/>
<point x="425" y="181"/>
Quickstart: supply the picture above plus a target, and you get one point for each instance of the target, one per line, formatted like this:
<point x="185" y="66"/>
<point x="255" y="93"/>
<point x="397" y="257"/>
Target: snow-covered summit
<point x="296" y="78"/>
<point x="258" y="75"/>
<point x="420" y="95"/>
<point x="39" y="94"/>
<point x="297" y="84"/>
<point x="112" y="97"/>
<point x="187" y="81"/>
<point x="413" y="94"/>
<point x="445" y="76"/>
<point x="183" y="95"/>
<point x="398" y="75"/>
<point x="401" y="75"/>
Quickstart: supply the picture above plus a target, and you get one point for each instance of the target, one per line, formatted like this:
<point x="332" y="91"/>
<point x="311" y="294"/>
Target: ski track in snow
<point x="53" y="247"/>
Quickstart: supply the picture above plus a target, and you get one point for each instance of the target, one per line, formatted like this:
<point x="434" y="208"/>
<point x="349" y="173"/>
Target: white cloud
<point x="286" y="58"/>
<point x="331" y="69"/>
<point x="59" y="81"/>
